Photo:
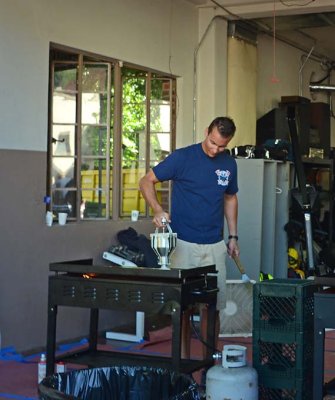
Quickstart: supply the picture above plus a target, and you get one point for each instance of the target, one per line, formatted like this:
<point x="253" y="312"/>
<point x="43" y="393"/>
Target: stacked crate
<point x="283" y="319"/>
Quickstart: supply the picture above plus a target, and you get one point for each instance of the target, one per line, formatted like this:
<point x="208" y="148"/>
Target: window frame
<point x="113" y="212"/>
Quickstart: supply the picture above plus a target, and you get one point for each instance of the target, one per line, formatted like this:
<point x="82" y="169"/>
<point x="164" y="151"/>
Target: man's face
<point x="214" y="143"/>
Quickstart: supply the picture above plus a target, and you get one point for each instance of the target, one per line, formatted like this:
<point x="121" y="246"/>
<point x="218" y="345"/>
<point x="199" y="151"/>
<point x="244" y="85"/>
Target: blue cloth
<point x="198" y="188"/>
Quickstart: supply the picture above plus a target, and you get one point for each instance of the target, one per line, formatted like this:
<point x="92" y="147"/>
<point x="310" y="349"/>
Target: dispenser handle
<point x="166" y="225"/>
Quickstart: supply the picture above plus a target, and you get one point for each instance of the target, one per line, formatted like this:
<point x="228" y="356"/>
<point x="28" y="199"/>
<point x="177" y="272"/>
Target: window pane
<point x="130" y="192"/>
<point x="63" y="140"/>
<point x="134" y="85"/>
<point x="63" y="172"/>
<point x="133" y="131"/>
<point x="65" y="77"/>
<point x="94" y="171"/>
<point x="160" y="118"/>
<point x="160" y="147"/>
<point x="133" y="139"/>
<point x="94" y="140"/>
<point x="94" y="96"/>
<point x="64" y="108"/>
<point x="63" y="186"/>
<point x="94" y="108"/>
<point x="95" y="78"/>
<point x="64" y="201"/>
<point x="93" y="204"/>
<point x="93" y="184"/>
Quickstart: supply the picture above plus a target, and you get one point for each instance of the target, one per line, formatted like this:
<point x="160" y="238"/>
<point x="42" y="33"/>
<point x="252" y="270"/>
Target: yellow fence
<point x="131" y="196"/>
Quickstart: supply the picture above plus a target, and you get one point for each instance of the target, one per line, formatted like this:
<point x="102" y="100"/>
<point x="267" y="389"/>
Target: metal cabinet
<point x="263" y="212"/>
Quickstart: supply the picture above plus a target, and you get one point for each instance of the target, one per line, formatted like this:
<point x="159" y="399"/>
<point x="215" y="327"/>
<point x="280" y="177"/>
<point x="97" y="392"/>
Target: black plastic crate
<point x="277" y="390"/>
<point x="283" y="307"/>
<point x="284" y="361"/>
<point x="298" y="393"/>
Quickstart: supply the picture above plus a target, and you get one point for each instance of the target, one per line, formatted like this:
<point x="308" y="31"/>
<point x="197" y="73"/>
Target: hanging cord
<point x="274" y="78"/>
<point x="199" y="337"/>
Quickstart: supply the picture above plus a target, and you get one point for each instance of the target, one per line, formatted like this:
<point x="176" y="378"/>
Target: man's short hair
<point x="224" y="125"/>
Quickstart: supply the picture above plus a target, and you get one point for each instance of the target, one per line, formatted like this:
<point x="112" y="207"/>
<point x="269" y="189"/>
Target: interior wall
<point x="276" y="76"/>
<point x="291" y="78"/>
<point x="28" y="246"/>
<point x="210" y="72"/>
<point x="241" y="88"/>
<point x="158" y="34"/>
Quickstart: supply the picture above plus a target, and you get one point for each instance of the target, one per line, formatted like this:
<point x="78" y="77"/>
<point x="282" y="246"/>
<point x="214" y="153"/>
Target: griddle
<point x="80" y="283"/>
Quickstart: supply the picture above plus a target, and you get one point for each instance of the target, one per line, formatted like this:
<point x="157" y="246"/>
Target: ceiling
<point x="307" y="24"/>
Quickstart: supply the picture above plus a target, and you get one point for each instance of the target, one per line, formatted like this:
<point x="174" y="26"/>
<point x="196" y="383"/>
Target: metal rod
<point x="321" y="88"/>
<point x="301" y="68"/>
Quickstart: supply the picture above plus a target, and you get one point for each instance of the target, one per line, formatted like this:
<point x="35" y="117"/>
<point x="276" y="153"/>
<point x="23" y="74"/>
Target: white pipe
<point x="301" y="68"/>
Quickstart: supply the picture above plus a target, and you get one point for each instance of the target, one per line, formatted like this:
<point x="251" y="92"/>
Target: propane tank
<point x="233" y="380"/>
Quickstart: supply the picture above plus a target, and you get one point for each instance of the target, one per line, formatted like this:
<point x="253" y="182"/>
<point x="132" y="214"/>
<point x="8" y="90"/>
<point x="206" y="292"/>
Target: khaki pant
<point x="192" y="255"/>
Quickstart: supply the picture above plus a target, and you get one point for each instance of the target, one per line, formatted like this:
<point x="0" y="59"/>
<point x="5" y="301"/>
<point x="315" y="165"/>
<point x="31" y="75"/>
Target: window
<point x="109" y="122"/>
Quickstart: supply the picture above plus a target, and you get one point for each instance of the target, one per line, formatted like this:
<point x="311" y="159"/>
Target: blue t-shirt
<point x="199" y="183"/>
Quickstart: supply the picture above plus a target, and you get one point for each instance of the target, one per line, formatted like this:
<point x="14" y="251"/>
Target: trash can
<point x="119" y="383"/>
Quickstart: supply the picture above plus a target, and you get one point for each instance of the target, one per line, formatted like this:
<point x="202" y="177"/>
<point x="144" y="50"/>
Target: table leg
<point x="211" y="330"/>
<point x="93" y="337"/>
<point x="318" y="367"/>
<point x="51" y="339"/>
<point x="176" y="336"/>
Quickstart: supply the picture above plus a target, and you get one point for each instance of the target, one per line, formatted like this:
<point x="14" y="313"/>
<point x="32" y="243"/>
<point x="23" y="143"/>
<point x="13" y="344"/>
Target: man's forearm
<point x="148" y="191"/>
<point x="231" y="211"/>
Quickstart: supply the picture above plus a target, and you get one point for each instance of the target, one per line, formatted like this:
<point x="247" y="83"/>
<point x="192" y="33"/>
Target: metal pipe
<point x="301" y="68"/>
<point x="320" y="88"/>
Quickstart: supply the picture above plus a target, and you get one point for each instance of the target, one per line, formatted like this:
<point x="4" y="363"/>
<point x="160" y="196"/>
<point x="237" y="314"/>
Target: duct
<point x="243" y="31"/>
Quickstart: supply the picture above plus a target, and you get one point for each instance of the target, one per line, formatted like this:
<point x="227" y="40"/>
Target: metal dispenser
<point x="163" y="243"/>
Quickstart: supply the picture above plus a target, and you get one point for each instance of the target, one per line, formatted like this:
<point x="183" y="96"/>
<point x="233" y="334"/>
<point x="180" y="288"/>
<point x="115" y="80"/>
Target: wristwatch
<point x="232" y="237"/>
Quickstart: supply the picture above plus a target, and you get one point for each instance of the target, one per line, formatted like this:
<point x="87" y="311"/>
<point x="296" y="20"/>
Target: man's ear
<point x="206" y="132"/>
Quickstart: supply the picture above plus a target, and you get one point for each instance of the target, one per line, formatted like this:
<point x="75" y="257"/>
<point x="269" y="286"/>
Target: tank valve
<point x="217" y="355"/>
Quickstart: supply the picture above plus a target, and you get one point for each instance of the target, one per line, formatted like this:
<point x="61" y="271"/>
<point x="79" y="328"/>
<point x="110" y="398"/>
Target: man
<point x="204" y="191"/>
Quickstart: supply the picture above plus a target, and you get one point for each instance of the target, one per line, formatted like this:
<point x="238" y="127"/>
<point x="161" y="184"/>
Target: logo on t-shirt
<point x="223" y="177"/>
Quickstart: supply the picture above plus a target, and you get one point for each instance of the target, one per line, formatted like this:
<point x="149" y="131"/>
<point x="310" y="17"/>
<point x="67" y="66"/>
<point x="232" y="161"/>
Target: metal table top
<point x="86" y="267"/>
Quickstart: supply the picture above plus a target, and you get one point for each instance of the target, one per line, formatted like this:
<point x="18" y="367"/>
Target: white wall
<point x="282" y="62"/>
<point x="287" y="63"/>
<point x="211" y="71"/>
<point x="155" y="33"/>
<point x="242" y="80"/>
<point x="159" y="34"/>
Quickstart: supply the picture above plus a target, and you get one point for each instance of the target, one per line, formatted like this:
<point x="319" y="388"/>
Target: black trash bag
<point x="130" y="238"/>
<point x="119" y="383"/>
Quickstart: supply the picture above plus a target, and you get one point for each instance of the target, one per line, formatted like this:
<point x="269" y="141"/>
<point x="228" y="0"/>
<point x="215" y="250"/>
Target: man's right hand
<point x="157" y="220"/>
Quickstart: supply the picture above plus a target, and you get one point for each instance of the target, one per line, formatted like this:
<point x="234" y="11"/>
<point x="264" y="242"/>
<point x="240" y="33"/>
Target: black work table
<point x="324" y="317"/>
<point x="153" y="290"/>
